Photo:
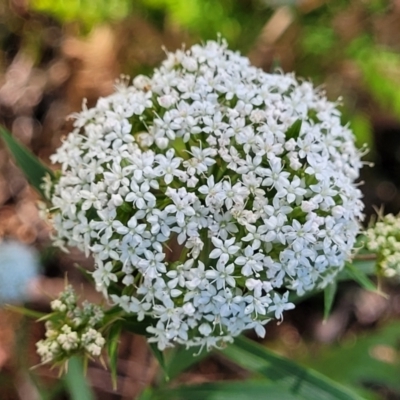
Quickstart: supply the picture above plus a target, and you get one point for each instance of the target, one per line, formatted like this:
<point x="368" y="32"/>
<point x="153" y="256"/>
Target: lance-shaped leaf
<point x="112" y="350"/>
<point x="301" y="381"/>
<point x="182" y="359"/>
<point x="159" y="355"/>
<point x="26" y="311"/>
<point x="75" y="381"/>
<point x="360" y="277"/>
<point x="31" y="166"/>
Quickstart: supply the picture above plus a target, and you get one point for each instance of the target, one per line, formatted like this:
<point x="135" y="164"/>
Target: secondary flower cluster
<point x="206" y="192"/>
<point x="71" y="329"/>
<point x="384" y="240"/>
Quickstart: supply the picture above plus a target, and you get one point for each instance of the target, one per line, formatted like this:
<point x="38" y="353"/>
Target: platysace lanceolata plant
<point x="251" y="174"/>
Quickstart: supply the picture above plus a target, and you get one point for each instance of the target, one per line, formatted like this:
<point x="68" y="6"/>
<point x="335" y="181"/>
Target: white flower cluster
<point x="71" y="329"/>
<point x="248" y="176"/>
<point x="384" y="240"/>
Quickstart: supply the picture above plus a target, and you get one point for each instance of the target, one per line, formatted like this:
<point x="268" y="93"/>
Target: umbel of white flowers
<point x="384" y="239"/>
<point x="71" y="329"/>
<point x="252" y="174"/>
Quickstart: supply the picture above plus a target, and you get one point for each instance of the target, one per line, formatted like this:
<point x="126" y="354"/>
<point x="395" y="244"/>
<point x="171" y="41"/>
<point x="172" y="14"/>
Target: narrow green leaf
<point x="299" y="380"/>
<point x="158" y="354"/>
<point x="329" y="296"/>
<point x="87" y="274"/>
<point x="31" y="166"/>
<point x="360" y="277"/>
<point x="75" y="381"/>
<point x="183" y="358"/>
<point x="367" y="267"/>
<point x="254" y="390"/>
<point x="112" y="350"/>
<point x="26" y="311"/>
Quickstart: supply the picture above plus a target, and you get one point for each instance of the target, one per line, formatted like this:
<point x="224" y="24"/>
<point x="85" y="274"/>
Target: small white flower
<point x="251" y="263"/>
<point x="223" y="249"/>
<point x="168" y="166"/>
<point x="222" y="275"/>
<point x="103" y="274"/>
<point x="280" y="304"/>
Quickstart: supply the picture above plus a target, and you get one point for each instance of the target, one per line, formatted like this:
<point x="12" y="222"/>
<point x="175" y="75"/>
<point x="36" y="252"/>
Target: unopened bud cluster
<point x="251" y="174"/>
<point x="384" y="240"/>
<point x="71" y="329"/>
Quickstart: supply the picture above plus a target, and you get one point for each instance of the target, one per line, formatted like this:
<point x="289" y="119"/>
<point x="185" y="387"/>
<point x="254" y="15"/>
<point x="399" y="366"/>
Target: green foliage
<point x="75" y="381"/>
<point x="112" y="349"/>
<point x="370" y="359"/>
<point x="381" y="73"/>
<point x="182" y="358"/>
<point x="30" y="165"/>
<point x="26" y="311"/>
<point x="318" y="40"/>
<point x="376" y="6"/>
<point x="329" y="297"/>
<point x="159" y="355"/>
<point x="139" y="327"/>
<point x="362" y="129"/>
<point x="301" y="381"/>
<point x="357" y="274"/>
<point x="238" y="22"/>
<point x="88" y="12"/>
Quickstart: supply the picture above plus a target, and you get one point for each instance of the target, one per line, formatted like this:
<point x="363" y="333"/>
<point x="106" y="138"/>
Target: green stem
<point x="365" y="257"/>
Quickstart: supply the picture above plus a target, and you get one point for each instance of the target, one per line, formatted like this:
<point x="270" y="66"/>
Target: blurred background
<point x="54" y="53"/>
